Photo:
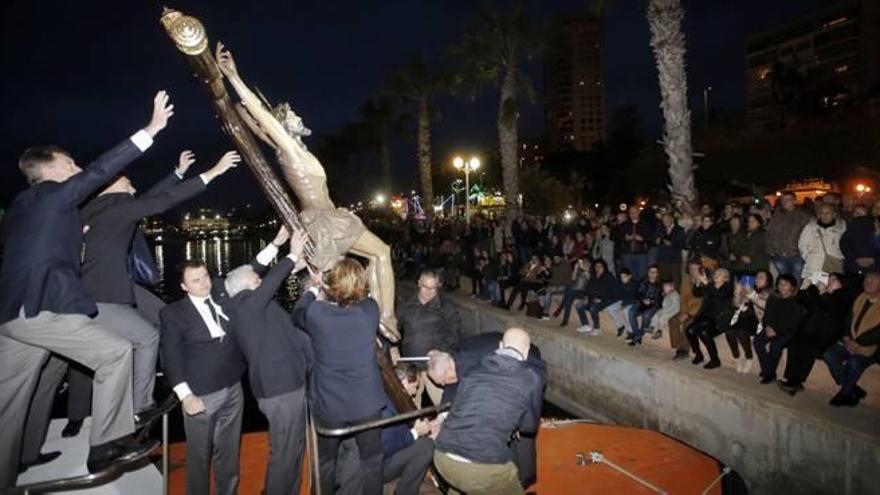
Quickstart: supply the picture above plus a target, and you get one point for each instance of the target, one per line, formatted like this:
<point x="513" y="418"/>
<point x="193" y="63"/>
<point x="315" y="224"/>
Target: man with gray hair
<point x="427" y="321"/>
<point x="278" y="356"/>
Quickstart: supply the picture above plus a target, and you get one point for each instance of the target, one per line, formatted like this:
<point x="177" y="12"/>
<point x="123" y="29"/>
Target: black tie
<point x="219" y="321"/>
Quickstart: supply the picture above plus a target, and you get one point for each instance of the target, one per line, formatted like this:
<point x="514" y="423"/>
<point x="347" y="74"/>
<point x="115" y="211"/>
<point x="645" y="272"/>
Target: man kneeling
<point x="498" y="399"/>
<point x="407" y="451"/>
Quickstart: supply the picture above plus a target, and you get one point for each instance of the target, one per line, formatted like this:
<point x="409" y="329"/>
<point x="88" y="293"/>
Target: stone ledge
<point x="779" y="444"/>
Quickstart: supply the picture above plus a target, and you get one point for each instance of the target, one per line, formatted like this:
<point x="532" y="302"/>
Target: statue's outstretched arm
<point x="267" y="122"/>
<point x="253" y="125"/>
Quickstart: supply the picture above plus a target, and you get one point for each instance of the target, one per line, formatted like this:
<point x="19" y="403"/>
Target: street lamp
<point x="469" y="166"/>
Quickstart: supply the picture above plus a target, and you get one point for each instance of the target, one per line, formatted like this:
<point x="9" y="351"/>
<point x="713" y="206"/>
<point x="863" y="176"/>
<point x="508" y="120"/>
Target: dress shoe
<point x="681" y="354"/>
<point x="620" y="331"/>
<point x="712" y="364"/>
<point x="105" y="455"/>
<point x="71" y="429"/>
<point x="789" y="388"/>
<point x="860" y="393"/>
<point x="765" y="379"/>
<point x="634" y="342"/>
<point x="43" y="458"/>
<point x="697" y="359"/>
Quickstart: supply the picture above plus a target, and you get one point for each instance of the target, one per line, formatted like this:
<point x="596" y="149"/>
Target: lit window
<point x="841" y="68"/>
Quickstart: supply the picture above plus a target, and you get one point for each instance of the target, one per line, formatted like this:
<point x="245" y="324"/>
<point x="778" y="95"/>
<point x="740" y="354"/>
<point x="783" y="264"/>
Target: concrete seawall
<point x="779" y="444"/>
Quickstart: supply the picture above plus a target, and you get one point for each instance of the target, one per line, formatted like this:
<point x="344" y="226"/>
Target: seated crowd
<point x="795" y="278"/>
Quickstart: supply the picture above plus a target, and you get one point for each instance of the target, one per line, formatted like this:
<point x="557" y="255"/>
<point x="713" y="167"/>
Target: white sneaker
<point x="747" y="365"/>
<point x="596" y="332"/>
<point x="584" y="329"/>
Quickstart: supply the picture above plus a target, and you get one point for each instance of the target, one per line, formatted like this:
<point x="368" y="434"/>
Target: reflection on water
<point x="221" y="255"/>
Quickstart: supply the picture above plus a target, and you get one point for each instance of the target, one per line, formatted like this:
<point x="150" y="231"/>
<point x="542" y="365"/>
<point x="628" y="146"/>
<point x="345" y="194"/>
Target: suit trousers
<point x="123" y="320"/>
<point x="369" y="444"/>
<point x="287" y="433"/>
<point x="213" y="438"/>
<point x="408" y="466"/>
<point x="25" y="344"/>
<point x="40" y="414"/>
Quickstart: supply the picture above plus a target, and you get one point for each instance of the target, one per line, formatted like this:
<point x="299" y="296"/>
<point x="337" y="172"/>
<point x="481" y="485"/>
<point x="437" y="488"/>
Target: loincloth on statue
<point x="333" y="233"/>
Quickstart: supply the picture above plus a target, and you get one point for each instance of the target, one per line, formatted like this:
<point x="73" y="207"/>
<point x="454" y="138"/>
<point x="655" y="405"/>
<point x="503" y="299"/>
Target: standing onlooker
<point x="670" y="243"/>
<point x="706" y="243"/>
<point x="781" y="320"/>
<point x="819" y="243"/>
<point x="783" y="233"/>
<point x="690" y="304"/>
<point x="635" y="236"/>
<point x="848" y="358"/>
<point x="749" y="248"/>
<point x="428" y="321"/>
<point x="860" y="245"/>
<point x="603" y="247"/>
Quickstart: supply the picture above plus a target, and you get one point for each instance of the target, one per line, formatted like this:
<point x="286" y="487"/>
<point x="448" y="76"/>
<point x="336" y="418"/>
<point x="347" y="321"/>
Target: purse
<point x="830" y="264"/>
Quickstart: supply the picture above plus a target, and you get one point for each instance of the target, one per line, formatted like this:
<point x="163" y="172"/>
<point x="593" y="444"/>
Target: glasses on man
<point x="429" y="287"/>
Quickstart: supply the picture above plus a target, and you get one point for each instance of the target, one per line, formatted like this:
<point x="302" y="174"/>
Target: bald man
<point x="499" y="398"/>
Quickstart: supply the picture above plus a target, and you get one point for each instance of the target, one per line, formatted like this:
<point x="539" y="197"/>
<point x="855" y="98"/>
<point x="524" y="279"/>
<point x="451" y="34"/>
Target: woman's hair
<point x="346" y="283"/>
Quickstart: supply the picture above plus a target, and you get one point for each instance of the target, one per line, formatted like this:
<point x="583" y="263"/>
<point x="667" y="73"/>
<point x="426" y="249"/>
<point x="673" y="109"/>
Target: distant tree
<point x="544" y="194"/>
<point x="667" y="41"/>
<point x="417" y="84"/>
<point x="381" y="124"/>
<point x="493" y="46"/>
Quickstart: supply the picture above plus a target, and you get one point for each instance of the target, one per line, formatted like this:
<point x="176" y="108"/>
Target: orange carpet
<point x="662" y="461"/>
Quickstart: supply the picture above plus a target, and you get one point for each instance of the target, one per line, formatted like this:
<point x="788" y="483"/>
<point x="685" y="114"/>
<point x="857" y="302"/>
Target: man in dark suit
<point x="407" y="451"/>
<point x="448" y="369"/>
<point x="112" y="220"/>
<point x="44" y="307"/>
<point x="204" y="365"/>
<point x="278" y="356"/>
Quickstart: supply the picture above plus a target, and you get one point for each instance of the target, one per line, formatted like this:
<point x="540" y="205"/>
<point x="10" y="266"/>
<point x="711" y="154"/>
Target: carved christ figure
<point x="334" y="231"/>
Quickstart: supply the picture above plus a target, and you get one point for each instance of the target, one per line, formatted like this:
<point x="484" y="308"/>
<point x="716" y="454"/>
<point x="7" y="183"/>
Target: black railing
<point x="378" y="423"/>
<point x="113" y="471"/>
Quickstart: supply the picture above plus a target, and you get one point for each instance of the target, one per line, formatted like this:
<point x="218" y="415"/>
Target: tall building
<point x="530" y="152"/>
<point x="574" y="92"/>
<point x="824" y="61"/>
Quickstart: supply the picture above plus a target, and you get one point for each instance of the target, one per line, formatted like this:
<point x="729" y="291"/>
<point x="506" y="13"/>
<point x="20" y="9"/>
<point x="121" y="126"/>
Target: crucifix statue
<point x="334" y="231"/>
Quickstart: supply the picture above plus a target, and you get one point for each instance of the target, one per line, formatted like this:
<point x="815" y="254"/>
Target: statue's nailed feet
<point x="388" y="328"/>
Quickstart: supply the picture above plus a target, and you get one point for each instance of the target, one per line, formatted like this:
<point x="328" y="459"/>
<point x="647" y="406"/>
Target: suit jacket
<point x="43" y="241"/>
<point x="190" y="354"/>
<point x="395" y="437"/>
<point x="345" y="384"/>
<point x="113" y="220"/>
<point x="277" y="353"/>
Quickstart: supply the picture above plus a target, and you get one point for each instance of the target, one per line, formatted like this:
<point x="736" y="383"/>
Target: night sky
<point x="82" y="74"/>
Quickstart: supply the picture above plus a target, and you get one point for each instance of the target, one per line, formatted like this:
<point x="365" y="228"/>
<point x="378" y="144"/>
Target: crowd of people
<point x="74" y="304"/>
<point x="787" y="276"/>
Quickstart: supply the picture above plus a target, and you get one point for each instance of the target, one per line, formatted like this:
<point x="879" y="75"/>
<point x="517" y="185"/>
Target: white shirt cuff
<point x="414" y="433"/>
<point x="267" y="254"/>
<point x="178" y="174"/>
<point x="314" y="290"/>
<point x="182" y="390"/>
<point x="142" y="140"/>
<point x="204" y="179"/>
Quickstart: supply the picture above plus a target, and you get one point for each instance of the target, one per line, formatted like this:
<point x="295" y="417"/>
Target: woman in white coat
<point x="819" y="243"/>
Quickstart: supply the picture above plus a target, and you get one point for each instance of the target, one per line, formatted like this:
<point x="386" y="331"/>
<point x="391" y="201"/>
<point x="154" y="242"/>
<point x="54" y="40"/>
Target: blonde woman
<point x="341" y="320"/>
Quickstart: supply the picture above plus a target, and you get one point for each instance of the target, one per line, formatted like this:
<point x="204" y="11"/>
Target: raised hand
<point x="225" y="61"/>
<point x="298" y="243"/>
<point x="162" y="111"/>
<point x="282" y="236"/>
<point x="229" y="160"/>
<point x="186" y="159"/>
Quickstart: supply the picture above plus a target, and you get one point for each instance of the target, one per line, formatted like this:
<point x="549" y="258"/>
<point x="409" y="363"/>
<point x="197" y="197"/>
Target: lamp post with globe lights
<point x="467" y="167"/>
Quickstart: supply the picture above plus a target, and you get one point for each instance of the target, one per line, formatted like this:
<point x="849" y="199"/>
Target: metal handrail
<point x="378" y="423"/>
<point x="112" y="471"/>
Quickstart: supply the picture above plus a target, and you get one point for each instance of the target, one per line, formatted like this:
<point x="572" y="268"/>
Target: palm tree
<point x="381" y="124"/>
<point x="417" y="84"/>
<point x="667" y="41"/>
<point x="490" y="52"/>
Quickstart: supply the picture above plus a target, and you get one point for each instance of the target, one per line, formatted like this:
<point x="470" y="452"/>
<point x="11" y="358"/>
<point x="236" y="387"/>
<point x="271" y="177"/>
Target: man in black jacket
<point x="428" y="322"/>
<point x="44" y="307"/>
<point x="204" y="365"/>
<point x="112" y="220"/>
<point x="447" y="370"/>
<point x="278" y="355"/>
<point x="498" y="399"/>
